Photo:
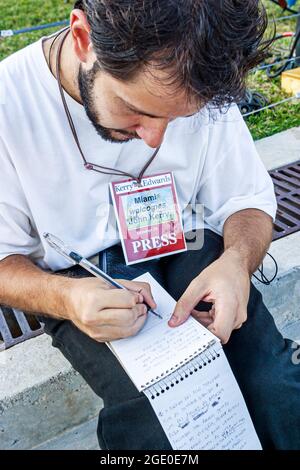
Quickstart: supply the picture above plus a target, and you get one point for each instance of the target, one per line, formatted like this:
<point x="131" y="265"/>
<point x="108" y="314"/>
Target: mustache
<point x="134" y="135"/>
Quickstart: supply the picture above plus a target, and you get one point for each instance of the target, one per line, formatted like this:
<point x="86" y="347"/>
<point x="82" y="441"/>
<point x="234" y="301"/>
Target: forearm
<point x="26" y="287"/>
<point x="248" y="234"/>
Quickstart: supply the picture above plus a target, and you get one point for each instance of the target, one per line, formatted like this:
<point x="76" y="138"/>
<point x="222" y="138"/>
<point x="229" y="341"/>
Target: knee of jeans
<point x="274" y="381"/>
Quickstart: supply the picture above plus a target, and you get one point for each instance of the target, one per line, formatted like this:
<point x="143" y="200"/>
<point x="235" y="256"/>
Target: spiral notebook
<point x="187" y="379"/>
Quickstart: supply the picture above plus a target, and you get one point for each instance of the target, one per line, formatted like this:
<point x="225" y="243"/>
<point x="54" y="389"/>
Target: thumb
<point x="194" y="293"/>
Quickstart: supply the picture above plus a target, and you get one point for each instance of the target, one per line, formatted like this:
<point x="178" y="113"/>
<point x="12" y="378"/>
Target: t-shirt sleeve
<point x="234" y="177"/>
<point x="17" y="235"/>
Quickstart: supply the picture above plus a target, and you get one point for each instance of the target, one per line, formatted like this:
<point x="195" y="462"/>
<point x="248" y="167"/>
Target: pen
<point x="74" y="257"/>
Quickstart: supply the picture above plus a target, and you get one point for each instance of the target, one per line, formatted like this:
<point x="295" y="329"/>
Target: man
<point x="137" y="76"/>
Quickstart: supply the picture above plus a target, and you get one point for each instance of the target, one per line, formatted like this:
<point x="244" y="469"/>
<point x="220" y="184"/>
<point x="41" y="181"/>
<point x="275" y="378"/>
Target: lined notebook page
<point x="157" y="350"/>
<point x="205" y="410"/>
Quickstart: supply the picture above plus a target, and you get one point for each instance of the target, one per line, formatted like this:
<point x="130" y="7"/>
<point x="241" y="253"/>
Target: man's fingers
<point x="241" y="318"/>
<point x="111" y="332"/>
<point x="119" y="317"/>
<point x="203" y="317"/>
<point x="187" y="302"/>
<point x="224" y="321"/>
<point x="203" y="314"/>
<point x="142" y="288"/>
<point x="120" y="298"/>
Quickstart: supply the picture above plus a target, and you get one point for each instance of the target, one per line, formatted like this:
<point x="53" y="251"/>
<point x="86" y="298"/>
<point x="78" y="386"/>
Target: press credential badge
<point x="148" y="217"/>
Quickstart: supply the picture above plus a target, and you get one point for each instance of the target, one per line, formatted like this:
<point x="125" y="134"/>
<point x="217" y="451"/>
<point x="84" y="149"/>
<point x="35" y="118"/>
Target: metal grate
<point x="16" y="327"/>
<point x="287" y="189"/>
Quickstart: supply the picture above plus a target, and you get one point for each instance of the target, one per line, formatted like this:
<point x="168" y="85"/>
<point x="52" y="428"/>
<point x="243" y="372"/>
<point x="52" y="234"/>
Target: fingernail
<point x="145" y="309"/>
<point x="141" y="298"/>
<point x="174" y="320"/>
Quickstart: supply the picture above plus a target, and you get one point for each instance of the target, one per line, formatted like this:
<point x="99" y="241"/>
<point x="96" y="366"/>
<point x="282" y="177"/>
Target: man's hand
<point x="101" y="312"/>
<point x="105" y="313"/>
<point x="226" y="284"/>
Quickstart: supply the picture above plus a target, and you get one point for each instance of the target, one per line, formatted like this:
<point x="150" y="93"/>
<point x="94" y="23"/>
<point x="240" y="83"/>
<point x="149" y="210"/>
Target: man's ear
<point x="80" y="30"/>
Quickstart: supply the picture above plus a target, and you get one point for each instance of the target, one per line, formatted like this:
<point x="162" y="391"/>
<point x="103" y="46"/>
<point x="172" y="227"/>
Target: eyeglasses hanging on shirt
<point x="89" y="165"/>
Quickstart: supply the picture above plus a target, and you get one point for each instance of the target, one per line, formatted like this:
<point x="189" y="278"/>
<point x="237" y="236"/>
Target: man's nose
<point x="153" y="133"/>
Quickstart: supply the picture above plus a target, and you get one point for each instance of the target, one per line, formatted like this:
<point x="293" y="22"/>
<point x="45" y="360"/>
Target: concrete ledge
<point x="40" y="395"/>
<point x="282" y="297"/>
<point x="280" y="149"/>
<point x="82" y="437"/>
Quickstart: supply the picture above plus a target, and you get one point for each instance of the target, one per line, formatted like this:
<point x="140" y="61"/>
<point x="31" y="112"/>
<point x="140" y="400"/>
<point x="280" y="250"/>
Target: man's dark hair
<point x="205" y="46"/>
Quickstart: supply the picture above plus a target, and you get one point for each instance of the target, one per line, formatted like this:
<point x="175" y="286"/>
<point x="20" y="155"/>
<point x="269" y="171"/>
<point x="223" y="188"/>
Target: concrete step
<point x="41" y="395"/>
<point x="82" y="437"/>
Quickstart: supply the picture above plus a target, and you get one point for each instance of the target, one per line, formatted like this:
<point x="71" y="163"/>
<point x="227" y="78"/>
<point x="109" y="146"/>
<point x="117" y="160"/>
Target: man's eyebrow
<point x="144" y="113"/>
<point x="139" y="111"/>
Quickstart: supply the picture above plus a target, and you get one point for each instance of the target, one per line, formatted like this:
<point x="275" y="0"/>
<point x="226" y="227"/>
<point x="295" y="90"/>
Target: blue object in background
<point x="291" y="2"/>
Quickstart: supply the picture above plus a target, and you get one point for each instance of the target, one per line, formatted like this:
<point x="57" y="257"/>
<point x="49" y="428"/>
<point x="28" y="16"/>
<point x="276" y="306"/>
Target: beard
<point x="86" y="82"/>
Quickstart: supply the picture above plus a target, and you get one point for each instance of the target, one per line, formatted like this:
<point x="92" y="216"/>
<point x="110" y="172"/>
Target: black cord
<point x="263" y="279"/>
<point x="252" y="101"/>
<point x="282" y="36"/>
<point x="286" y="64"/>
<point x="285" y="8"/>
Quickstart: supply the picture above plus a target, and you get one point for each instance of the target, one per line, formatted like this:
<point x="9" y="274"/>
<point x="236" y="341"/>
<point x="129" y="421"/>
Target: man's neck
<point x="69" y="64"/>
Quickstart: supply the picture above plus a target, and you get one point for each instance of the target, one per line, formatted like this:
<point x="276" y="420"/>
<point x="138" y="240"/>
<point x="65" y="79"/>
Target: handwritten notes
<point x="185" y="375"/>
<point x="157" y="350"/>
<point x="205" y="410"/>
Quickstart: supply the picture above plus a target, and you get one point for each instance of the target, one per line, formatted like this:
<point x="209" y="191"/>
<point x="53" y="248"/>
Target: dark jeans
<point x="259" y="357"/>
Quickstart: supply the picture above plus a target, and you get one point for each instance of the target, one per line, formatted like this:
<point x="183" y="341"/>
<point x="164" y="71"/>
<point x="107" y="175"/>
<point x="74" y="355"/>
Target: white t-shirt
<point x="45" y="188"/>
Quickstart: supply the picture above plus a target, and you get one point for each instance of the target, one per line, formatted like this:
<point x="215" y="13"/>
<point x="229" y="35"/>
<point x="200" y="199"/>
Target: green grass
<point x="285" y="115"/>
<point x="18" y="14"/>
